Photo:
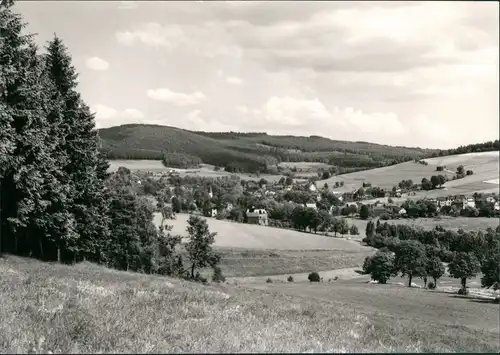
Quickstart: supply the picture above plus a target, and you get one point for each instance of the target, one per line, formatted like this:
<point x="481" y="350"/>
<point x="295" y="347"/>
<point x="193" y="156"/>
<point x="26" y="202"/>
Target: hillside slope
<point x="90" y="309"/>
<point x="248" y="150"/>
<point x="485" y="166"/>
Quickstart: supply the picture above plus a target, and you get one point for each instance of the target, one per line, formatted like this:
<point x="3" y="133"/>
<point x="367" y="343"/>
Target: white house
<point x="470" y="203"/>
<point x="402" y="212"/>
<point x="310" y="205"/>
<point x="497" y="206"/>
<point x="312" y="187"/>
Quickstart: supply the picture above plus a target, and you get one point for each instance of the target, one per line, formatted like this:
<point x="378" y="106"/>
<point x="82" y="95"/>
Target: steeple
<point x="210" y="194"/>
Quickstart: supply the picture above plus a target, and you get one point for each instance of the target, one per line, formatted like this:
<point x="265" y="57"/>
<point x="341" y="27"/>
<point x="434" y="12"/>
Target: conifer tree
<point x="85" y="167"/>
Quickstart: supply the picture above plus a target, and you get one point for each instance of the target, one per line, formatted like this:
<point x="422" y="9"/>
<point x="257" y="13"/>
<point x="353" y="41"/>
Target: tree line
<point x="58" y="202"/>
<point x="415" y="252"/>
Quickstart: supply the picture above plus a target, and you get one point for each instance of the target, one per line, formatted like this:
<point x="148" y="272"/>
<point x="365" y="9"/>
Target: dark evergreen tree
<point x="85" y="168"/>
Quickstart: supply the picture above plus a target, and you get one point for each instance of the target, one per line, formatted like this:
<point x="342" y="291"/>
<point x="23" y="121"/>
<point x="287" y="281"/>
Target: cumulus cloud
<point x="206" y="39"/>
<point x="176" y="98"/>
<point x="310" y="116"/>
<point x="96" y="63"/>
<point x="107" y="116"/>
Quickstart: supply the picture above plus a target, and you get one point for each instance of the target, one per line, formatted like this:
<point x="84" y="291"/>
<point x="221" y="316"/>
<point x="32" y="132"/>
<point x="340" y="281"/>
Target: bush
<point x="496" y="300"/>
<point x="431" y="285"/>
<point x="217" y="275"/>
<point x="269" y="280"/>
<point x="336" y="278"/>
<point x="314" y="277"/>
<point x="290" y="279"/>
<point x="463" y="291"/>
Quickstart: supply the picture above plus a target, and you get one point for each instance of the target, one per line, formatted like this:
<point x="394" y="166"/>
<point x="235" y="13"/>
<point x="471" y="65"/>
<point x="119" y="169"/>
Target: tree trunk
<point x="463" y="281"/>
<point x="40" y="245"/>
<point x="435" y="281"/>
<point x="409" y="280"/>
<point x="58" y="255"/>
<point x="425" y="282"/>
<point x="192" y="271"/>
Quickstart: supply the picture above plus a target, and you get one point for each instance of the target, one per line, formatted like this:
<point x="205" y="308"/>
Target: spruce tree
<point x="31" y="187"/>
<point x="85" y="167"/>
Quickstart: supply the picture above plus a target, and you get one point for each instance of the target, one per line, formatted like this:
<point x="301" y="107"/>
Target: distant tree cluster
<point x="415" y="252"/>
<point x="471" y="148"/>
<point x="180" y="160"/>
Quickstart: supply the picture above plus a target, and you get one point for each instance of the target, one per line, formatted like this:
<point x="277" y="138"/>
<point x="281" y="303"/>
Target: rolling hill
<point x="249" y="151"/>
<point x="485" y="166"/>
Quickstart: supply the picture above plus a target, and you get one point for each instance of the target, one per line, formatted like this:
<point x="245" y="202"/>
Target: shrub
<point x="314" y="277"/>
<point x="217" y="275"/>
<point x="496" y="300"/>
<point x="290" y="279"/>
<point x="336" y="278"/>
<point x="463" y="291"/>
<point x="269" y="280"/>
<point x="431" y="285"/>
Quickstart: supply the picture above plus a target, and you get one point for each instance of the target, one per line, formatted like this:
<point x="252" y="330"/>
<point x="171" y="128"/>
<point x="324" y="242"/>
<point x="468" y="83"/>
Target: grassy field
<point x="406" y="304"/>
<point x="89" y="309"/>
<point x="255" y="262"/>
<point x="248" y="236"/>
<point x="485" y="167"/>
<point x="205" y="170"/>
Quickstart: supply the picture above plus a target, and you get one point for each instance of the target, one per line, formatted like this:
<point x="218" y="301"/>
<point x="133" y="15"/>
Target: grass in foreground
<point x="89" y="309"/>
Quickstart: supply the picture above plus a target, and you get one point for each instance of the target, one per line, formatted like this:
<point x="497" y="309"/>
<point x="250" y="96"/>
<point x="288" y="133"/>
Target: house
<point x="470" y="203"/>
<point x="443" y="201"/>
<point x="496" y="206"/>
<point x="312" y="187"/>
<point x="257" y="216"/>
<point x="311" y="205"/>
<point x="402" y="212"/>
<point x="490" y="199"/>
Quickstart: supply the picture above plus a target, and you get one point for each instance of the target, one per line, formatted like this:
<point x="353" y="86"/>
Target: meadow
<point x="89" y="309"/>
<point x="250" y="236"/>
<point x="484" y="164"/>
<point x="206" y="170"/>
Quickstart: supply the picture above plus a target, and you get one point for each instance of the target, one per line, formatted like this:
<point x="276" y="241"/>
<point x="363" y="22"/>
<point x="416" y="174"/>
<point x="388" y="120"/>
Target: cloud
<point x="107" y="116"/>
<point x="176" y="98"/>
<point x="233" y="80"/>
<point x="96" y="63"/>
<point x="127" y="5"/>
<point x="205" y="39"/>
<point x="310" y="116"/>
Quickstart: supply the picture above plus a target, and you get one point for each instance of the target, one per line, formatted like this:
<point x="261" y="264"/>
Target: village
<point x="273" y="203"/>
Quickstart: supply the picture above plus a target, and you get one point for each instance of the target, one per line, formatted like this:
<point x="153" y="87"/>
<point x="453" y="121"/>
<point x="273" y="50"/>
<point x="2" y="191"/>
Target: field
<point x="89" y="309"/>
<point x="485" y="166"/>
<point x="205" y="170"/>
<point x="262" y="263"/>
<point x="248" y="236"/>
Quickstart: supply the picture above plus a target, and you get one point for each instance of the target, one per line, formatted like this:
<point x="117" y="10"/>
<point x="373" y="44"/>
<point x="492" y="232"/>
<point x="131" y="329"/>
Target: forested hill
<point x="248" y="151"/>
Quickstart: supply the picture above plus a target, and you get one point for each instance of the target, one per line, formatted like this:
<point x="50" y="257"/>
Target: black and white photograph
<point x="249" y="177"/>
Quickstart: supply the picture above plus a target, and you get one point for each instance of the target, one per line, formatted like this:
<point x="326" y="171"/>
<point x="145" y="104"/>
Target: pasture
<point x="261" y="263"/>
<point x="89" y="309"/>
<point x="206" y="170"/>
<point x="485" y="178"/>
<point x="250" y="236"/>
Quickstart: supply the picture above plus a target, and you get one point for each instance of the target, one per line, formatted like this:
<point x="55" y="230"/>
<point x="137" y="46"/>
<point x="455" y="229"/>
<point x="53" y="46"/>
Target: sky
<point x="420" y="74"/>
